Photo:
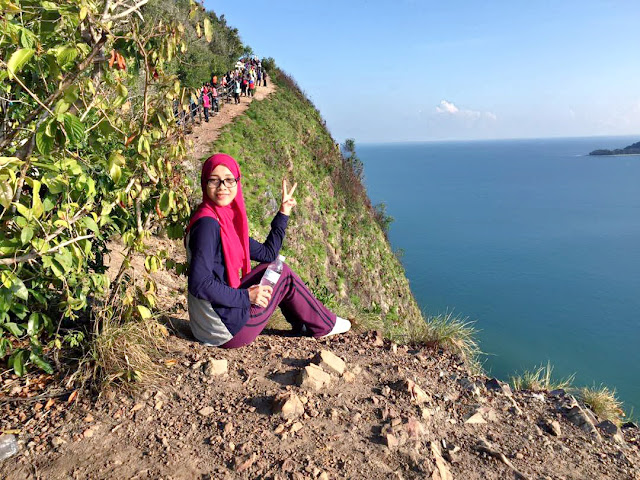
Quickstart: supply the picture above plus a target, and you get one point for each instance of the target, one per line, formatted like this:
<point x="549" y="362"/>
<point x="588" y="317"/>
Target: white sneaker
<point x="342" y="325"/>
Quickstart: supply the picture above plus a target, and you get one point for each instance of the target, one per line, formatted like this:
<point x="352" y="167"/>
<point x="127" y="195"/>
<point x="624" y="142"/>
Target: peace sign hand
<point x="288" y="202"/>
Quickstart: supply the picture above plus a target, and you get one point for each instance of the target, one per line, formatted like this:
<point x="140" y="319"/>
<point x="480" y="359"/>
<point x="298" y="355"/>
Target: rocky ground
<point x="286" y="407"/>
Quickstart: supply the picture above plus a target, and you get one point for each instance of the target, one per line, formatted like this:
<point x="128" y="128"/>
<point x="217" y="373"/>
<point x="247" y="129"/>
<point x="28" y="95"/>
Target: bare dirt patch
<point x="396" y="412"/>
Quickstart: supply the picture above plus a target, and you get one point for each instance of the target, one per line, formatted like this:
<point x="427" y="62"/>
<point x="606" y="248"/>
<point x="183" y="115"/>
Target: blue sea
<point x="533" y="240"/>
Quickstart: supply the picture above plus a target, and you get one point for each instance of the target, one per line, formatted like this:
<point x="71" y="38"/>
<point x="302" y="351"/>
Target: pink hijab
<point x="234" y="228"/>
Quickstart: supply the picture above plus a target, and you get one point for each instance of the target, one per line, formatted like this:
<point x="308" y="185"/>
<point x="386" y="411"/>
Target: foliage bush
<point x="90" y="150"/>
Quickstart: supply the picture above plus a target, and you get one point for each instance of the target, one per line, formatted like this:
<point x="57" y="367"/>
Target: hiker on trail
<point x="245" y="84"/>
<point x="227" y="306"/>
<point x="206" y="103"/>
<point x="236" y="91"/>
<point x="193" y="106"/>
<point x="214" y="94"/>
<point x="252" y="87"/>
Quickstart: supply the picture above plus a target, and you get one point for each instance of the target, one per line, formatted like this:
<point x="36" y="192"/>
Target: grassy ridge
<point x="333" y="240"/>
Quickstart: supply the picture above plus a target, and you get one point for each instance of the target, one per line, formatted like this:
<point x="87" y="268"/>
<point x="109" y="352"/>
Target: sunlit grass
<point x="603" y="402"/>
<point x="541" y="379"/>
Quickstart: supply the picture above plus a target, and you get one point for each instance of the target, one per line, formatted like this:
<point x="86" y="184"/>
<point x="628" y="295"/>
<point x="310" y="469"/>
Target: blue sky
<point x="414" y="70"/>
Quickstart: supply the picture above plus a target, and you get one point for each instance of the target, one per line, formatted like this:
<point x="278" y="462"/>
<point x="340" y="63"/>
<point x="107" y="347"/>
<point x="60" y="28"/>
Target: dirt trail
<point x="205" y="134"/>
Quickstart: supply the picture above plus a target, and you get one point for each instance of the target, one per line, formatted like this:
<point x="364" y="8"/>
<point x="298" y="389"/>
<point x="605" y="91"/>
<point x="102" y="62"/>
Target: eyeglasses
<point x="228" y="182"/>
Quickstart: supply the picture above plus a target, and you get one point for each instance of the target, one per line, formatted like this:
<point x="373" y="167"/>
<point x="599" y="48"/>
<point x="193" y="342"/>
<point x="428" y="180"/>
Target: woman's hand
<point x="288" y="202"/>
<point x="260" y="295"/>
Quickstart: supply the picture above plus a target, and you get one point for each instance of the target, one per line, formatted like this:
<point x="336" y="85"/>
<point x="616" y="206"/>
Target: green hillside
<point x="334" y="241"/>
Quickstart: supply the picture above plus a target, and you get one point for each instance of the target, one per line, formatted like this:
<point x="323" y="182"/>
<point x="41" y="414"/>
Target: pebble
<point x="206" y="411"/>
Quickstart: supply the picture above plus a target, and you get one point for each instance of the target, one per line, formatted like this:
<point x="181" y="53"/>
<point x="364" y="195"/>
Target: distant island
<point x="630" y="150"/>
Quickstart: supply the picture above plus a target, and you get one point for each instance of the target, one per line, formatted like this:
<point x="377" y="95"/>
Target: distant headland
<point x="629" y="150"/>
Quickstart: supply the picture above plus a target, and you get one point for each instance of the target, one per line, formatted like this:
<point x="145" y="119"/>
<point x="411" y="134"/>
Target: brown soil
<point x="398" y="412"/>
<point x="366" y="424"/>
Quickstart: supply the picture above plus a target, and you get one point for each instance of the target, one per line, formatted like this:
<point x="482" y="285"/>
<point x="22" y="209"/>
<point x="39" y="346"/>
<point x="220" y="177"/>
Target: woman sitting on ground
<point x="230" y="309"/>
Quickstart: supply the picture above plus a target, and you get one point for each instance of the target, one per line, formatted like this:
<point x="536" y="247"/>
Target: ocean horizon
<point x="534" y="240"/>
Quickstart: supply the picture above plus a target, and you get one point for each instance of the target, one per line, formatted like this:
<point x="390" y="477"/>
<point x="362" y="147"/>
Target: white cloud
<point x="450" y="108"/>
<point x="447" y="107"/>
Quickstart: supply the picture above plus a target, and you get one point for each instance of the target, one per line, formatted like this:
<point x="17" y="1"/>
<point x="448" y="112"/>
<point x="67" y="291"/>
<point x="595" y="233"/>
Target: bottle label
<point x="271" y="276"/>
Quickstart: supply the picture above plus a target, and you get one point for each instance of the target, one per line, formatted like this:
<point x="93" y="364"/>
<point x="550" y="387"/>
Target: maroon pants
<point x="298" y="305"/>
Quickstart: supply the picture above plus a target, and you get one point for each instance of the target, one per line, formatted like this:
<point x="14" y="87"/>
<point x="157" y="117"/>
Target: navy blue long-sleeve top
<point x="207" y="271"/>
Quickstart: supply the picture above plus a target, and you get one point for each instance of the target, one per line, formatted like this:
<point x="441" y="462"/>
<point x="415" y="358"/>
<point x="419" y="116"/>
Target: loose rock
<point x="312" y="376"/>
<point x="288" y="405"/>
<point x="475" y="418"/>
<point x="611" y="430"/>
<point x="206" y="411"/>
<point x="418" y="395"/>
<point x="216" y="367"/>
<point x="330" y="362"/>
<point x="500" y="387"/>
<point x="551" y="426"/>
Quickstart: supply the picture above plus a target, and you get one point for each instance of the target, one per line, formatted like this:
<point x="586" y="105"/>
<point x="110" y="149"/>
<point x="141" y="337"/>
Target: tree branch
<point x="32" y="255"/>
<point x="63" y="86"/>
<point x="134" y="8"/>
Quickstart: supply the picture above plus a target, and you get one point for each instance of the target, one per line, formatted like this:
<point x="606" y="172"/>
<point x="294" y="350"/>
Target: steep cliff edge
<point x="333" y="240"/>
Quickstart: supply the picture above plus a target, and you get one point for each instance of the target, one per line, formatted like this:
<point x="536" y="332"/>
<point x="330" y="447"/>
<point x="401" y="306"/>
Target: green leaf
<point x="115" y="173"/>
<point x="6" y="195"/>
<point x="122" y="91"/>
<point x="27" y="38"/>
<point x="40" y="362"/>
<point x="44" y="142"/>
<point x="144" y="312"/>
<point x="10" y="160"/>
<point x="36" y="204"/>
<point x="18" y="289"/>
<point x="74" y="128"/>
<point x="24" y="211"/>
<point x="116" y="159"/>
<point x="18" y="60"/>
<point x="16" y="361"/>
<point x="91" y="224"/>
<point x="164" y="204"/>
<point x="13" y="328"/>
<point x="5" y="346"/>
<point x="66" y="55"/>
<point x="65" y="259"/>
<point x="33" y="325"/>
<point x="26" y="235"/>
<point x="61" y="106"/>
<point x="208" y="30"/>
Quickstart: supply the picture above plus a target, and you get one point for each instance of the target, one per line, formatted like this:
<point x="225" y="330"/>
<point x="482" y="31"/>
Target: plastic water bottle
<point x="272" y="273"/>
<point x="8" y="446"/>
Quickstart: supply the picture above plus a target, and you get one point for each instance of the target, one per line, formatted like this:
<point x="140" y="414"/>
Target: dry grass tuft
<point x="540" y="379"/>
<point x="129" y="353"/>
<point x="603" y="402"/>
<point x="448" y="331"/>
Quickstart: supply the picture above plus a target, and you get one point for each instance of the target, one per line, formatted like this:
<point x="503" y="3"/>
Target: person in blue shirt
<point x="227" y="306"/>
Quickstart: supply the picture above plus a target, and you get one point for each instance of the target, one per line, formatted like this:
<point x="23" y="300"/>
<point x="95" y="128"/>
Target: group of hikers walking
<point x="242" y="81"/>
